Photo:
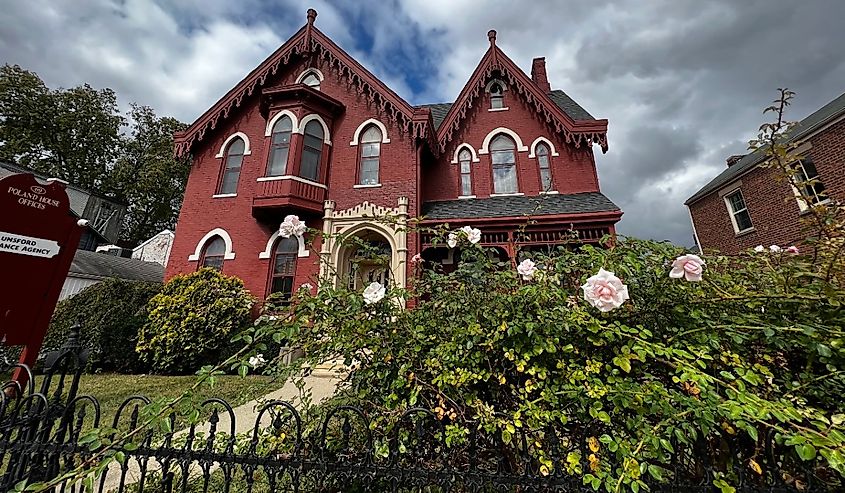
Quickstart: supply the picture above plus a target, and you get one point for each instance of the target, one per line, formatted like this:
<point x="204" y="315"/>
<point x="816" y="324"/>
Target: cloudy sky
<point x="682" y="82"/>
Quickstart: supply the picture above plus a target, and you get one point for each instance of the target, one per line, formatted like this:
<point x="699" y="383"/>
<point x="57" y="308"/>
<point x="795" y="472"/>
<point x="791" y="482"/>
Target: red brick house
<point x="312" y="132"/>
<point x="746" y="205"/>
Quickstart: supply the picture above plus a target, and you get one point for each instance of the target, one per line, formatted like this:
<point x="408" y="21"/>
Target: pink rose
<point x="605" y="291"/>
<point x="687" y="266"/>
<point x="793" y="250"/>
<point x="416" y="259"/>
<point x="526" y="269"/>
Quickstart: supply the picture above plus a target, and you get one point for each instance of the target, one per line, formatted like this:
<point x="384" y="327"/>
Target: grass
<point x="111" y="389"/>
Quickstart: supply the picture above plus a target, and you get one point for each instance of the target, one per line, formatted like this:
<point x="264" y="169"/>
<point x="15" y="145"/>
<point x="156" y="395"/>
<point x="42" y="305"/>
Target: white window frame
<point x="732" y="214"/>
<point x="803" y="206"/>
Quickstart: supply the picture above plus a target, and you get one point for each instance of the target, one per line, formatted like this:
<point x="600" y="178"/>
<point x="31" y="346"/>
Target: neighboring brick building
<point x="311" y="132"/>
<point x="746" y="205"/>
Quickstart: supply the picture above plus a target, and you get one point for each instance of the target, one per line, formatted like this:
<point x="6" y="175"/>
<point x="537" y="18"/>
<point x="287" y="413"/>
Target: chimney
<point x="538" y="74"/>
<point x="734" y="159"/>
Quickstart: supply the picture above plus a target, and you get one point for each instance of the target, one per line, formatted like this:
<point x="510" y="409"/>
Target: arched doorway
<point x="365" y="257"/>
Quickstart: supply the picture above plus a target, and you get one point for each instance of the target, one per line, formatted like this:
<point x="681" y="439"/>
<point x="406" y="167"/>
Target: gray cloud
<point x="682" y="82"/>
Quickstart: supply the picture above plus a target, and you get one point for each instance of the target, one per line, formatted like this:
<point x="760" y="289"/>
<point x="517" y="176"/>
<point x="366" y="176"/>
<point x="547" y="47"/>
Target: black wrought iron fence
<point x="43" y="435"/>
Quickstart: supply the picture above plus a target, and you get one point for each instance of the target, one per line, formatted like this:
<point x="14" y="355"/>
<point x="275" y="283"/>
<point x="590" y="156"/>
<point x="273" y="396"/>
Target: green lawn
<point x="112" y="389"/>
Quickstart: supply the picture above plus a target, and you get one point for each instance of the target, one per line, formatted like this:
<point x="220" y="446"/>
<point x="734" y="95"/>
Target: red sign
<point x="38" y="238"/>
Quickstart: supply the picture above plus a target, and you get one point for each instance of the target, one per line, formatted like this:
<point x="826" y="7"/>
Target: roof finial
<point x="491" y="35"/>
<point x="311" y="14"/>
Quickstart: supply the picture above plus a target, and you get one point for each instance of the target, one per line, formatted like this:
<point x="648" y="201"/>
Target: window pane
<point x="310" y="163"/>
<point x="216" y="246"/>
<point x="278" y="160"/>
<point x="809" y="169"/>
<point x="497" y="102"/>
<point x="543" y="161"/>
<point x="370" y="150"/>
<point x="283" y="125"/>
<point x="229" y="183"/>
<point x="369" y="177"/>
<point x="542" y="150"/>
<point x="502" y="157"/>
<point x="464" y="156"/>
<point x="236" y="147"/>
<point x="311" y="80"/>
<point x="234" y="161"/>
<point x="546" y="178"/>
<point x="314" y="129"/>
<point x="283" y="285"/>
<point x="502" y="142"/>
<point x="743" y="220"/>
<point x="504" y="179"/>
<point x="466" y="184"/>
<point x="465" y="167"/>
<point x="372" y="134"/>
<point x="287" y="245"/>
<point x="737" y="202"/>
<point x="284" y="265"/>
<point x="215" y="262"/>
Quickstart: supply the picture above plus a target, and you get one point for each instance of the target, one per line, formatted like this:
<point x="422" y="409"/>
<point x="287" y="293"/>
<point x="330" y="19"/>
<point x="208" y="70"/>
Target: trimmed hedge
<point x="192" y="320"/>
<point x="110" y="312"/>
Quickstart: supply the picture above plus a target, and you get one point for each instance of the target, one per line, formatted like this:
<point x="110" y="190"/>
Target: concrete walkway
<point x="321" y="383"/>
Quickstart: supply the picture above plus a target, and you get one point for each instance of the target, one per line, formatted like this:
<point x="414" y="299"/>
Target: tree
<point x="72" y="134"/>
<point x="147" y="176"/>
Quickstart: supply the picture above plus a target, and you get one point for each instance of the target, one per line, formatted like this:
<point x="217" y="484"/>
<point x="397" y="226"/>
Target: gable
<point x="308" y="42"/>
<point x="556" y="109"/>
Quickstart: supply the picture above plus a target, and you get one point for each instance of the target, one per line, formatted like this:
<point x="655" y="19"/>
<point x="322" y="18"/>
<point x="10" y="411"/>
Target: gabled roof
<point x="579" y="128"/>
<point x="804" y="128"/>
<point x="93" y="265"/>
<point x="543" y="205"/>
<point x="309" y="41"/>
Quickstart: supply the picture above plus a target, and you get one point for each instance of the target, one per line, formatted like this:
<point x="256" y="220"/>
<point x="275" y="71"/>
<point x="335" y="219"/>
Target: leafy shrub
<point x="192" y="320"/>
<point x="110" y="314"/>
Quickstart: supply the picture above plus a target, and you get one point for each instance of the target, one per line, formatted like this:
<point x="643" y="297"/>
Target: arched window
<point x="465" y="159"/>
<point x="543" y="162"/>
<point x="284" y="267"/>
<point x="279" y="147"/>
<point x="232" y="166"/>
<point x="370" y="149"/>
<point x="312" y="150"/>
<point x="497" y="97"/>
<point x="503" y="155"/>
<point x="311" y="80"/>
<point x="212" y="254"/>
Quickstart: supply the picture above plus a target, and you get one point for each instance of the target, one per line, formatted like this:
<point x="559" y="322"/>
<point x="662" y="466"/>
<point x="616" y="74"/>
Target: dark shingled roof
<point x="93" y="265"/>
<point x="560" y="98"/>
<point x="808" y="125"/>
<point x="542" y="205"/>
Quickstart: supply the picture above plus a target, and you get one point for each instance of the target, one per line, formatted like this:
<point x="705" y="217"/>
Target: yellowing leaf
<point x="755" y="466"/>
<point x="593" y="443"/>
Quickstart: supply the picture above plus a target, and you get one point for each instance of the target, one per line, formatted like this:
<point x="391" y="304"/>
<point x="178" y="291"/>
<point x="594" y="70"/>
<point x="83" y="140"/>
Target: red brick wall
<point x="573" y="170"/>
<point x="774" y="211"/>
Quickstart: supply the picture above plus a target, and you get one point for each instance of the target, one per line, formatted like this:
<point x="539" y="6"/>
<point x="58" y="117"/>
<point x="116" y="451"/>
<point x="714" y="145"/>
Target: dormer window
<point x="497" y="97"/>
<point x="310" y="78"/>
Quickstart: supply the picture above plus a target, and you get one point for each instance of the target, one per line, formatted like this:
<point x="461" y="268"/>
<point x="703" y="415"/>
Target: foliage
<point x="110" y="314"/>
<point x="72" y="134"/>
<point x="753" y="352"/>
<point x="192" y="320"/>
<point x="78" y="135"/>
<point x="147" y="176"/>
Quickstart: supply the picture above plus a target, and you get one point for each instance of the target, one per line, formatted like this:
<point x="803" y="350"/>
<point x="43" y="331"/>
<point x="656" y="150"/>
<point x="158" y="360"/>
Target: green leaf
<point x="806" y="451"/>
<point x="655" y="472"/>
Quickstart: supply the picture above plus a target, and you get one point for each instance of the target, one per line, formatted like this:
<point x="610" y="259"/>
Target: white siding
<point x="74" y="285"/>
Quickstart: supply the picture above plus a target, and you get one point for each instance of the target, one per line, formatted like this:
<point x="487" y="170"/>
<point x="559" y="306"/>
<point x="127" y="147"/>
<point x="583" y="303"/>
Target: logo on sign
<point x="38" y="190"/>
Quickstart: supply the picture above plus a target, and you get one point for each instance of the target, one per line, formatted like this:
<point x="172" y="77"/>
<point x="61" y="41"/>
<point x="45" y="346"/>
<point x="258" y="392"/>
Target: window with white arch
<point x="279" y="147"/>
<point x="213" y="253"/>
<point x="542" y="152"/>
<point x="312" y="151"/>
<point x="503" y="159"/>
<point x="311" y="79"/>
<point x="369" y="156"/>
<point x="232" y="161"/>
<point x="465" y="160"/>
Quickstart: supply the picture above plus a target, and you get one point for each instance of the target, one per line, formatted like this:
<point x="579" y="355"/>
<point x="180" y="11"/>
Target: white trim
<point x="532" y="153"/>
<point x="310" y="71"/>
<point x="493" y="81"/>
<point x="232" y="137"/>
<point x="291" y="177"/>
<point x="357" y="135"/>
<point x="695" y="233"/>
<point x="327" y="138"/>
<point x="374" y="185"/>
<point x="503" y="108"/>
<point x="227" y="240"/>
<point x="549" y="192"/>
<point x="458" y="151"/>
<point x="223" y="195"/>
<point x="268" y="250"/>
<point x="514" y="194"/>
<point x="272" y="122"/>
<point x="466" y="196"/>
<point x="485" y="146"/>
<point x="732" y="213"/>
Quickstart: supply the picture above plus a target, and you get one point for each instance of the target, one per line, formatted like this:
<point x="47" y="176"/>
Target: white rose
<point x="759" y="248"/>
<point x="605" y="291"/>
<point x="526" y="269"/>
<point x="292" y="226"/>
<point x="775" y="249"/>
<point x="473" y="234"/>
<point x="373" y="293"/>
<point x="687" y="266"/>
<point x="257" y="360"/>
<point x="452" y="240"/>
<point x="307" y="286"/>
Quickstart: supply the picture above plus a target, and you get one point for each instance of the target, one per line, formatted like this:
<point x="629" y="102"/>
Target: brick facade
<point x="772" y="205"/>
<point x="411" y="168"/>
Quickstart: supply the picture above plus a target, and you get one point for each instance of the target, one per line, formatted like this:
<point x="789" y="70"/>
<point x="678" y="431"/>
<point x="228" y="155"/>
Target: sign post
<point x="38" y="239"/>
